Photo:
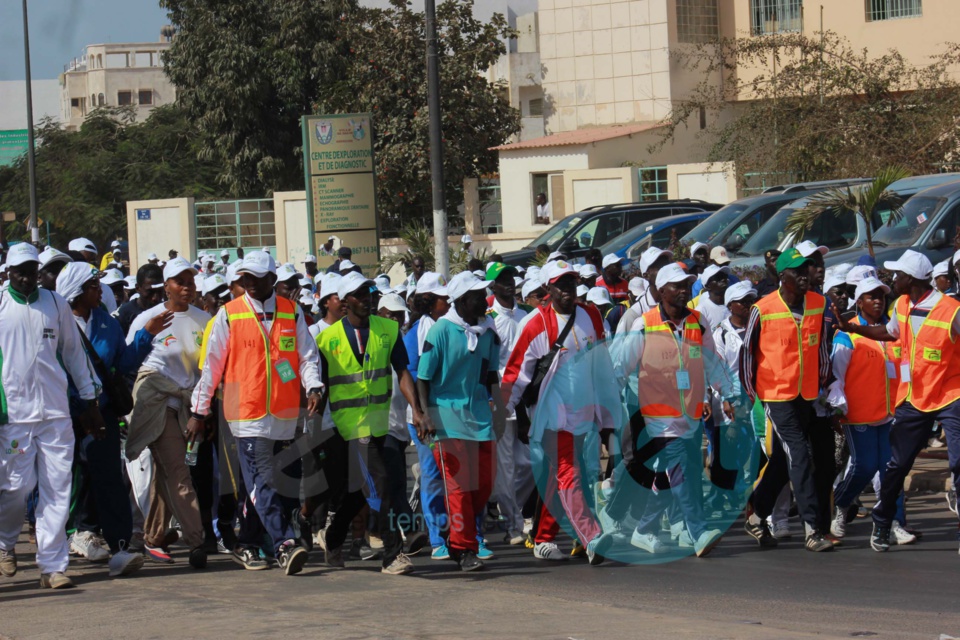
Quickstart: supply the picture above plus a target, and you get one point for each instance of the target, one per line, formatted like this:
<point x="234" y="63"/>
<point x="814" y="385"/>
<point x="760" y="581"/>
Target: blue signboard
<point x="143" y="214"/>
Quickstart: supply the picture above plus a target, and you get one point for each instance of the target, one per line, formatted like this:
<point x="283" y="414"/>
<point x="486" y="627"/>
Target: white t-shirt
<point x="176" y="349"/>
<point x="713" y="313"/>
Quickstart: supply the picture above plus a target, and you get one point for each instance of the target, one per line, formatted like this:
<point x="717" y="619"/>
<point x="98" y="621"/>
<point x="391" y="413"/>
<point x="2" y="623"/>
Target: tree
<point x="86" y="177"/>
<point x="860" y="200"/>
<point x="418" y="239"/>
<point x="246" y="70"/>
<point x="815" y="108"/>
<point x="386" y="76"/>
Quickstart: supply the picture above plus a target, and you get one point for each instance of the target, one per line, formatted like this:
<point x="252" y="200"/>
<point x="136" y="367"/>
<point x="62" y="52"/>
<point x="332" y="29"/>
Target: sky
<point x="59" y="29"/>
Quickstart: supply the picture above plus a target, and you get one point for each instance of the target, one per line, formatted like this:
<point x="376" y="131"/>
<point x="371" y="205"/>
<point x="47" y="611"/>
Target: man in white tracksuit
<point x="39" y="345"/>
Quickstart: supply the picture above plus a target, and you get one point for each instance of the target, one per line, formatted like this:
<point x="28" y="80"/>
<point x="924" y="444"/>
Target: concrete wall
<point x="713" y="182"/>
<point x="599" y="186"/>
<point x="292" y="226"/>
<point x="172" y="225"/>
<point x="516" y="181"/>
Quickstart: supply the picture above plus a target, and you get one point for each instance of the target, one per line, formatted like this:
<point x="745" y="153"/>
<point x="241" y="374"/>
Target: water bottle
<point x="191" y="458"/>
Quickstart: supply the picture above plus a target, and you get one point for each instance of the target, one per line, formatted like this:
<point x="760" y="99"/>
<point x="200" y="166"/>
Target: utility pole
<point x="31" y="159"/>
<point x="441" y="250"/>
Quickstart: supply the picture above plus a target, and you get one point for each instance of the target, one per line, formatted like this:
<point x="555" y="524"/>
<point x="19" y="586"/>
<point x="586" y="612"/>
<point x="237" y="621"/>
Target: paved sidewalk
<point x="930" y="472"/>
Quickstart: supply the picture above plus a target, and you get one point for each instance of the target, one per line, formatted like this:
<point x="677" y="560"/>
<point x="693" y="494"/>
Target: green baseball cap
<point x="791" y="259"/>
<point x="496" y="269"/>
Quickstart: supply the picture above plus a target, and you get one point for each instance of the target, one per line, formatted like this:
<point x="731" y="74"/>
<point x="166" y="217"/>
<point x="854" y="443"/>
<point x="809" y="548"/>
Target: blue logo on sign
<point x="143" y="214"/>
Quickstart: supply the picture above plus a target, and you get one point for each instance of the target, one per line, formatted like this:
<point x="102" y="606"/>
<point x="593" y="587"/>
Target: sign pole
<point x="441" y="249"/>
<point x="31" y="160"/>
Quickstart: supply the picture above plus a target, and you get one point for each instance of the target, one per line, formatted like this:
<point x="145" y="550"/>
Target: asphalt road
<point x="739" y="591"/>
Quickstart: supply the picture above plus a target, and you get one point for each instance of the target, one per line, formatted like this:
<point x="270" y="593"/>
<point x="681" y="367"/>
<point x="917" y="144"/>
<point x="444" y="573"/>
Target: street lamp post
<point x="31" y="159"/>
<point x="441" y="250"/>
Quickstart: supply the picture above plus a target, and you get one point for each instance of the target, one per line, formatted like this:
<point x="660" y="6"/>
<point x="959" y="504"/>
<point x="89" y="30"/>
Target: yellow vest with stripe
<point x="788" y="365"/>
<point x="359" y="393"/>
<point x="933" y="355"/>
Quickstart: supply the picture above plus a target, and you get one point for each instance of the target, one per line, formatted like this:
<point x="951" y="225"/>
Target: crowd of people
<point x="258" y="410"/>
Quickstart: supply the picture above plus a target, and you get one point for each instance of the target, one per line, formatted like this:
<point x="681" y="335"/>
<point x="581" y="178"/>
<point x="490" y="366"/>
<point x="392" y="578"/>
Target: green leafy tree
<point x="813" y="107"/>
<point x="862" y="201"/>
<point x="86" y="177"/>
<point x="418" y="239"/>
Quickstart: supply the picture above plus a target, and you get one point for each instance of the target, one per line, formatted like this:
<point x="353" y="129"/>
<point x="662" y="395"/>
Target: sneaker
<point x="484" y="553"/>
<point x="301" y="529"/>
<point x="136" y="543"/>
<point x="415" y="543"/>
<point x="647" y="542"/>
<point x="400" y="566"/>
<point x="158" y="555"/>
<point x="470" y="562"/>
<point x="838" y="527"/>
<point x="249" y="559"/>
<point x="951" y="496"/>
<point x="707" y="541"/>
<point x="609" y="524"/>
<point x="368" y="552"/>
<point x="32" y="534"/>
<point x="685" y="540"/>
<point x="761" y="533"/>
<point x="124" y="563"/>
<point x="880" y="538"/>
<point x="514" y="537"/>
<point x="901" y="535"/>
<point x="548" y="551"/>
<point x="333" y="556"/>
<point x="676" y="530"/>
<point x="834" y="540"/>
<point x="55" y="580"/>
<point x="817" y="542"/>
<point x="86" y="545"/>
<point x="8" y="563"/>
<point x="292" y="557"/>
<point x="528" y="525"/>
<point x="528" y="542"/>
<point x="170" y="537"/>
<point x="222" y="548"/>
<point x="578" y="551"/>
<point x="779" y="529"/>
<point x="597" y="548"/>
<point x="440" y="553"/>
<point x="198" y="558"/>
<point x="934" y="443"/>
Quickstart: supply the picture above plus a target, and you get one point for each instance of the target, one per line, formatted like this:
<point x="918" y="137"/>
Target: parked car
<point x="657" y="233"/>
<point x="595" y="226"/>
<point x="845" y="236"/>
<point x="734" y="225"/>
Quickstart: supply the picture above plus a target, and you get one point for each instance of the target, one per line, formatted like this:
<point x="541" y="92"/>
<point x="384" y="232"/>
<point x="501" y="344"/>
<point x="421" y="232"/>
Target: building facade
<point x="13" y="114"/>
<point x="115" y="75"/>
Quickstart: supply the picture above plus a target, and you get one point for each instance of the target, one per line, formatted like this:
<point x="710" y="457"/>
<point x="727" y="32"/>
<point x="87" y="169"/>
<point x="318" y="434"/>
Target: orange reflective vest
<point x="788" y="362"/>
<point x="933" y="354"/>
<point x="866" y="374"/>
<point x="665" y="362"/>
<point x="253" y="383"/>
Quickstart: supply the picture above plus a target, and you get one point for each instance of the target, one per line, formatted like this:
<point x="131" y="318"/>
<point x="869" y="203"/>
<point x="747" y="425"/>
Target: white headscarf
<point x="72" y="278"/>
<point x="473" y="332"/>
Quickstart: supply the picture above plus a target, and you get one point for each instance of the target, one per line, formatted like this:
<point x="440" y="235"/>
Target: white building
<point x="13" y="114"/>
<point x="125" y="74"/>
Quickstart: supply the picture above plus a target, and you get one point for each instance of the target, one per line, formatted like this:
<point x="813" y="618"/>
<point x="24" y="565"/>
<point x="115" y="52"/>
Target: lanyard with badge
<point x="283" y="367"/>
<point x="683" y="376"/>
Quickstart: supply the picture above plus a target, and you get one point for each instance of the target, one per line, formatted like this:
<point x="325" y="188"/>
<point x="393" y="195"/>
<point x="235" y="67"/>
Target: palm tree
<point x="861" y="200"/>
<point x="419" y="241"/>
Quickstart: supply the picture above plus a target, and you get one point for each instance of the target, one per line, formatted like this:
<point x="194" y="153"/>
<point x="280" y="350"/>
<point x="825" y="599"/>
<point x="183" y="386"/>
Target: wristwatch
<point x="197" y="416"/>
<point x="315" y="390"/>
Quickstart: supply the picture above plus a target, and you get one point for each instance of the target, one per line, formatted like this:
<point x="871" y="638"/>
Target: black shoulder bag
<point x="114" y="384"/>
<point x="532" y="393"/>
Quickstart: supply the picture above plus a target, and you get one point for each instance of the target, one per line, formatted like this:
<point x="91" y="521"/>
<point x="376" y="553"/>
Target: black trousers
<point x="802" y="453"/>
<point x="908" y="436"/>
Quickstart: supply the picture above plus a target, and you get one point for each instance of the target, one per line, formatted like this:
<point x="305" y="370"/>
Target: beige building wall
<point x="171" y="224"/>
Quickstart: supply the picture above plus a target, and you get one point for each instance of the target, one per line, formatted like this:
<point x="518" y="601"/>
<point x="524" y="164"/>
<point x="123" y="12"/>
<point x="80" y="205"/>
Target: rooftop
<point x="580" y="136"/>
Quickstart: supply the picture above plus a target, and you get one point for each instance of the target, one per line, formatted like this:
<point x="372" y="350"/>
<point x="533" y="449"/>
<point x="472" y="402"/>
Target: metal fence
<point x="228" y="224"/>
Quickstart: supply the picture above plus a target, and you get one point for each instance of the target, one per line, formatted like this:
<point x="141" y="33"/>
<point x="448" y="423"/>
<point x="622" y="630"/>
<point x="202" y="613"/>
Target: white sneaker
<point x="85" y="544"/>
<point x="677" y="529"/>
<point x="527" y="525"/>
<point x="901" y="535"/>
<point x="548" y="551"/>
<point x="951" y="496"/>
<point x="779" y="529"/>
<point x="123" y="563"/>
<point x="514" y="537"/>
<point x="838" y="527"/>
<point x="707" y="541"/>
<point x="685" y="540"/>
<point x="647" y="542"/>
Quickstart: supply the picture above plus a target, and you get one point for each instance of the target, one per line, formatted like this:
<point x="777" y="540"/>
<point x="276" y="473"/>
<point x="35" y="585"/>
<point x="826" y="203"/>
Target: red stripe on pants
<point x="468" y="469"/>
<point x="564" y="493"/>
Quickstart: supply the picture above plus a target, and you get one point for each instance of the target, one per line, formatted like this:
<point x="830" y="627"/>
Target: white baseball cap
<point x="21" y="254"/>
<point x="556" y="255"/>
<point x="839" y="270"/>
<point x="51" y="255"/>
<point x="257" y="263"/>
<point x="329" y="285"/>
<point x="808" y="248"/>
<point x="306" y="282"/>
<point x="111" y="276"/>
<point x="832" y="280"/>
<point x="212" y="283"/>
<point x="650" y="256"/>
<point x="673" y="273"/>
<point x="609" y="259"/>
<point x="310" y="258"/>
<point x="225" y="254"/>
<point x="82" y="244"/>
<point x="942" y="268"/>
<point x="130" y="283"/>
<point x="719" y="255"/>
<point x="589" y="271"/>
<point x="351" y="282"/>
<point x="175" y="267"/>
<point x="599" y="296"/>
<point x="738" y="291"/>
<point x="285" y="272"/>
<point x="911" y="263"/>
<point x="115" y="244"/>
<point x="551" y="271"/>
<point x="582" y="290"/>
<point x="383" y="283"/>
<point x="696" y="246"/>
<point x="529" y="287"/>
<point x="152" y="256"/>
<point x="870" y="284"/>
<point x="860" y="272"/>
<point x="637" y="286"/>
<point x="432" y="282"/>
<point x="533" y="273"/>
<point x="466" y="239"/>
<point x="346" y="265"/>
<point x="711" y="271"/>
<point x="463" y="282"/>
<point x="392" y="302"/>
<point x="517" y="282"/>
<point x="232" y="275"/>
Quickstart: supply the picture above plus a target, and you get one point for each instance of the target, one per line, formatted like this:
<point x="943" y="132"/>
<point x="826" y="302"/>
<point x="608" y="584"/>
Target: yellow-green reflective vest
<point x="359" y="394"/>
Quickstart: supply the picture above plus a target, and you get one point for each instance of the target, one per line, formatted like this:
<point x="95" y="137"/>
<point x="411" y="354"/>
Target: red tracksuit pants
<point x="563" y="493"/>
<point x="468" y="468"/>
